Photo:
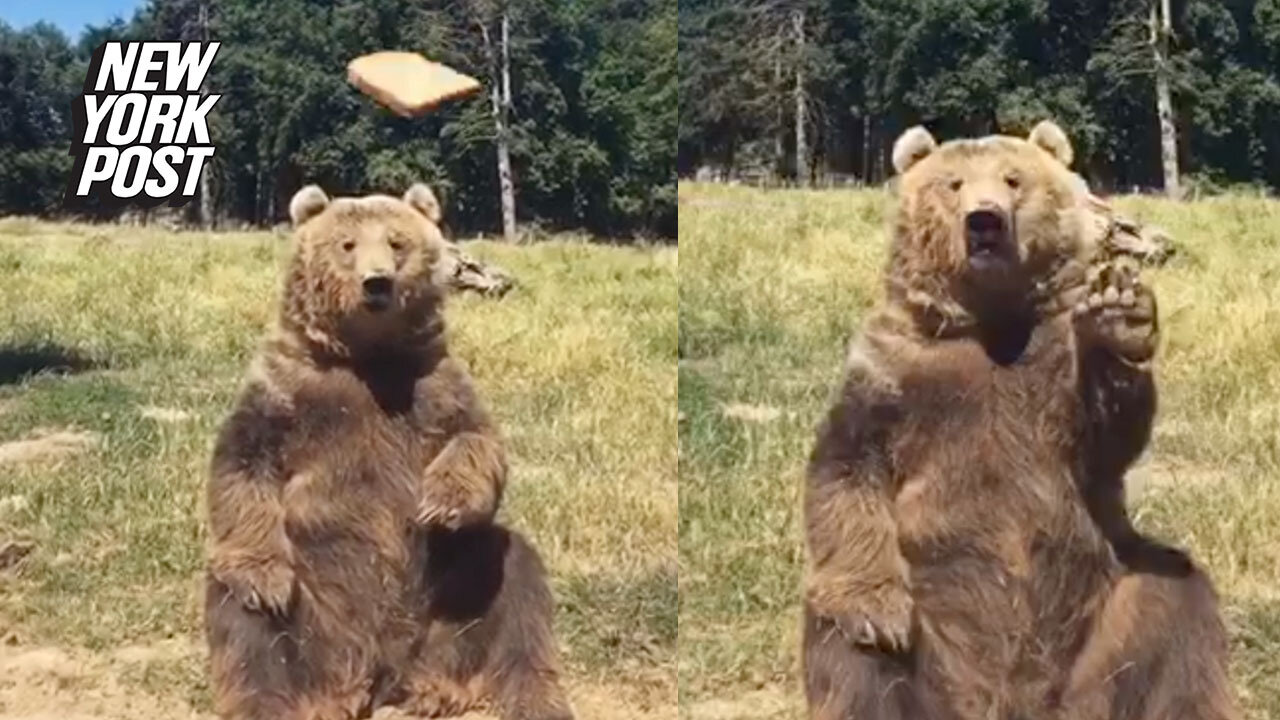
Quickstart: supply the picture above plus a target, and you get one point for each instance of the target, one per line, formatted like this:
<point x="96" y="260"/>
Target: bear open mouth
<point x="989" y="239"/>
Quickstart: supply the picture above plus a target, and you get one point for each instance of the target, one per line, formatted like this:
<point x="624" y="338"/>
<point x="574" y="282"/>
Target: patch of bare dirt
<point x="590" y="702"/>
<point x="768" y="703"/>
<point x="51" y="683"/>
<point x="47" y="445"/>
<point x="751" y="413"/>
<point x="164" y="415"/>
<point x="13" y="504"/>
<point x="1156" y="474"/>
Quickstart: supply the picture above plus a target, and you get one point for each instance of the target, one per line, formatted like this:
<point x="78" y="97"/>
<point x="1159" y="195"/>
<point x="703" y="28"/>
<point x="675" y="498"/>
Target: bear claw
<point x="1119" y="313"/>
<point x="438" y="515"/>
<point x="887" y="628"/>
<point x="263" y="588"/>
<point x="893" y="637"/>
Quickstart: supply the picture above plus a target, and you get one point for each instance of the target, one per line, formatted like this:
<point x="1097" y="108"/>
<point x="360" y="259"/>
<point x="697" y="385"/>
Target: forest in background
<point x="833" y="82"/>
<point x="590" y="122"/>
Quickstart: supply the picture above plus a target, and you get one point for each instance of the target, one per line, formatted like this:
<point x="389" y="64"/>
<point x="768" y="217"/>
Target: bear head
<point x="361" y="277"/>
<point x="985" y="228"/>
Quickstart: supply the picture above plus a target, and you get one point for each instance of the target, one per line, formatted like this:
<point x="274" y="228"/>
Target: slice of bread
<point x="408" y="83"/>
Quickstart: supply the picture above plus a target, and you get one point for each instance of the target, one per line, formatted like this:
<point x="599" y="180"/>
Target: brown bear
<point x="963" y="563"/>
<point x="354" y="559"/>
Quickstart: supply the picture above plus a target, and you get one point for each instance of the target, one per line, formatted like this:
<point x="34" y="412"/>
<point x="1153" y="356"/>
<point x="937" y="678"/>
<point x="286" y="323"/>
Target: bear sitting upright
<point x="354" y="560"/>
<point x="961" y="508"/>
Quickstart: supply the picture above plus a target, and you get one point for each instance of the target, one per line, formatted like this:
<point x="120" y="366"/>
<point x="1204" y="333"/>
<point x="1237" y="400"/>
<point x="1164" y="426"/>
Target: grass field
<point x="773" y="286"/>
<point x="157" y="329"/>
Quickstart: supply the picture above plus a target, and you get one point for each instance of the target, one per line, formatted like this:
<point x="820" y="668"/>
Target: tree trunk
<point x="866" y="148"/>
<point x="271" y="200"/>
<point x="878" y="151"/>
<point x="802" y="105"/>
<point x="779" y="132"/>
<point x="504" y="146"/>
<point x="501" y="98"/>
<point x="257" y="194"/>
<point x="1161" y="29"/>
<point x="206" y="195"/>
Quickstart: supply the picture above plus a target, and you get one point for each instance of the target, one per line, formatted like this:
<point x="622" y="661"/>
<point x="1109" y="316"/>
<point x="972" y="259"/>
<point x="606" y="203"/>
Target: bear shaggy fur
<point x="354" y="561"/>
<point x="969" y="552"/>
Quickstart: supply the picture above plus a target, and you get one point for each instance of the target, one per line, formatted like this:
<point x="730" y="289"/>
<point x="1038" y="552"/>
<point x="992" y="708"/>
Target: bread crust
<point x="408" y="83"/>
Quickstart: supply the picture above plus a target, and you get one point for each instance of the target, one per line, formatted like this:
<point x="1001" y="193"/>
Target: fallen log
<point x="1114" y="235"/>
<point x="462" y="272"/>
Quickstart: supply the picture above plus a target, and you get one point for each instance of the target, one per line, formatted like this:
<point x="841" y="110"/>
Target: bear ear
<point x="1047" y="136"/>
<point x="420" y="198"/>
<point x="911" y="147"/>
<point x="307" y="203"/>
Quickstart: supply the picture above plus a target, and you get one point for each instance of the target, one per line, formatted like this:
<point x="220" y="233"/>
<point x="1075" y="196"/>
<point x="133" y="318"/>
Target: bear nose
<point x="377" y="291"/>
<point x="985" y="221"/>
<point x="377" y="285"/>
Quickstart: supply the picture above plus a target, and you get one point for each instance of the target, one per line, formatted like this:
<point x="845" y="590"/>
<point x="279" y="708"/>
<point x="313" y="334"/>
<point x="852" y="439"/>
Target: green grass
<point x="576" y="364"/>
<point x="775" y="284"/>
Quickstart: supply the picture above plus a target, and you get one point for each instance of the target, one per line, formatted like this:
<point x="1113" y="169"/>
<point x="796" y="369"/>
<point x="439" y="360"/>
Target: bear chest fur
<point x="1004" y="558"/>
<point x="976" y="430"/>
<point x="355" y="459"/>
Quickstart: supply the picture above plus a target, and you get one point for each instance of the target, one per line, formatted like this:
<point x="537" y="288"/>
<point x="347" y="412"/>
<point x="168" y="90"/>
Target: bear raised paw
<point x="1118" y="311"/>
<point x="353" y="558"/>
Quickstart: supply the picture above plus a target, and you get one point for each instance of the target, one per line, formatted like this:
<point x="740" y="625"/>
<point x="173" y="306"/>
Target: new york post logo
<point x="141" y="131"/>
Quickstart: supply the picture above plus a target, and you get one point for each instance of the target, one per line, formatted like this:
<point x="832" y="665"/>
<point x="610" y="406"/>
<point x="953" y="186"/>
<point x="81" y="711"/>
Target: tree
<point x="38" y="79"/>
<point x="1161" y="30"/>
<point x="499" y="63"/>
<point x="1209" y="70"/>
<point x="801" y="99"/>
<point x="207" y="209"/>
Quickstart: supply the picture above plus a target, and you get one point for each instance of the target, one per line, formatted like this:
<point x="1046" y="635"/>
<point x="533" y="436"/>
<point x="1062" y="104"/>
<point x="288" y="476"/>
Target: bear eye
<point x="956" y="183"/>
<point x="397" y="245"/>
<point x="1012" y="181"/>
<point x="349" y="245"/>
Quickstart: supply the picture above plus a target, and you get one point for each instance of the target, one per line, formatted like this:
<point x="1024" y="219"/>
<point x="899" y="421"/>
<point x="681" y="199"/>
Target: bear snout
<point x="988" y="233"/>
<point x="377" y="292"/>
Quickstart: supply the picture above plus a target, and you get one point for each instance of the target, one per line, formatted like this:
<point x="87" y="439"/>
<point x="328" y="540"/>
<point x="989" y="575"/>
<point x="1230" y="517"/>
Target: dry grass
<point x="151" y="331"/>
<point x="775" y="284"/>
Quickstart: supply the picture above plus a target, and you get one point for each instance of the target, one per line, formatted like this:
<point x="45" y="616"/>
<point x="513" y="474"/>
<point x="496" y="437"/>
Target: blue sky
<point x="70" y="15"/>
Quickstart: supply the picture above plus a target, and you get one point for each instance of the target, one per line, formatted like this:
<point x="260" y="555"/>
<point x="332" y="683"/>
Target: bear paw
<point x="264" y="585"/>
<point x="452" y="502"/>
<point x="882" y="621"/>
<point x="1119" y="313"/>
